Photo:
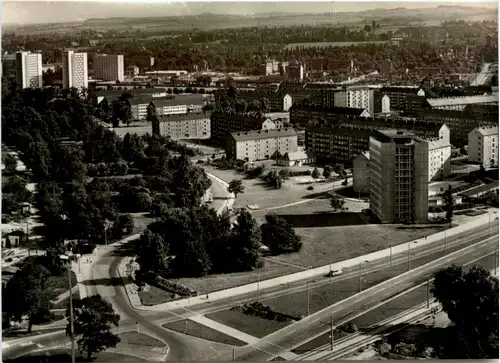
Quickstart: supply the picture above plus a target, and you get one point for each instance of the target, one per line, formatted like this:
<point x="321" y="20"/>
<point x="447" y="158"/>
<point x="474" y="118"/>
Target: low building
<point x="172" y="105"/>
<point x="297" y="158"/>
<point x="261" y="145"/>
<point x="131" y="71"/>
<point x="190" y="126"/>
<point x="361" y="173"/>
<point x="143" y="93"/>
<point x="223" y="124"/>
<point x="483" y="146"/>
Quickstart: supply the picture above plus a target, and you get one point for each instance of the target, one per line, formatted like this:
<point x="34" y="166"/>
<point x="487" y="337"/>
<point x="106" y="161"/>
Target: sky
<point x="29" y="12"/>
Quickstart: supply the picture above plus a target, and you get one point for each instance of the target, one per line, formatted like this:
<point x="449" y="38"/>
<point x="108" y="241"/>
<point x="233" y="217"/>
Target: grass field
<point x="257" y="327"/>
<point x="155" y="296"/>
<point x="326" y="238"/>
<point x="59" y="284"/>
<point x="320" y="297"/>
<point x="197" y="330"/>
<point x="132" y="337"/>
<point x="64" y="303"/>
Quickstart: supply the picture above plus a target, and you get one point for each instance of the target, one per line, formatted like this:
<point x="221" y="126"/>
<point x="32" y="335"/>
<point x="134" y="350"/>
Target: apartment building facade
<point x="439" y="158"/>
<point x="171" y="105"/>
<point x="75" y="70"/>
<point x="461" y="123"/>
<point x="109" y="67"/>
<point x="190" y="126"/>
<point x="398" y="95"/>
<point x="29" y="70"/>
<point x="399" y="177"/>
<point x="343" y="141"/>
<point x="361" y="173"/>
<point x="459" y="103"/>
<point x="261" y="144"/>
<point x="309" y="115"/>
<point x="483" y="146"/>
<point x="222" y="125"/>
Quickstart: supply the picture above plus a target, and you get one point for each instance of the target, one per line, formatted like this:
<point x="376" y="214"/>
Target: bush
<point x="170" y="286"/>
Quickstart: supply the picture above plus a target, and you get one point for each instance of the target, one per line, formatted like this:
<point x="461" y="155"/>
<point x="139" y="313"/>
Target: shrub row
<point x="169" y="286"/>
<point x="263" y="311"/>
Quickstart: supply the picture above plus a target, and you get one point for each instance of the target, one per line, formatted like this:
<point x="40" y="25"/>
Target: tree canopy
<point x="471" y="301"/>
<point x="279" y="235"/>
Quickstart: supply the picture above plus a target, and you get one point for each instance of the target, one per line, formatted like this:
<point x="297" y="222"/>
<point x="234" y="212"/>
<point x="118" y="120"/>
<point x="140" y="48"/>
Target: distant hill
<point x="430" y="15"/>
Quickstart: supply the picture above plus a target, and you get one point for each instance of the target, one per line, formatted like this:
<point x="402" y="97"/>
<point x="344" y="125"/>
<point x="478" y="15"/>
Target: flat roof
<point x="189" y="116"/>
<point x="457" y="101"/>
<point x="263" y="134"/>
<point x="480" y="189"/>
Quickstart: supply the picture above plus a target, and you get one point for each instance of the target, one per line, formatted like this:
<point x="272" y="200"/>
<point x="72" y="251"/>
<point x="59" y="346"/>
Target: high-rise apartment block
<point x="483" y="146"/>
<point x="109" y="67"/>
<point x="29" y="70"/>
<point x="399" y="187"/>
<point x="75" y="70"/>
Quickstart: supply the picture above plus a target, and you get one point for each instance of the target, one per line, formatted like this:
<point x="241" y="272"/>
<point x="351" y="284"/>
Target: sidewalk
<point x="319" y="271"/>
<point x="203" y="320"/>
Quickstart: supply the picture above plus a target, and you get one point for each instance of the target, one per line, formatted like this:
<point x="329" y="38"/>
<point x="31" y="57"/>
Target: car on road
<point x="335" y="272"/>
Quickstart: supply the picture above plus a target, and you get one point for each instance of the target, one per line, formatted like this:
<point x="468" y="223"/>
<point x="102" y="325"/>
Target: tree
<point x="236" y="186"/>
<point x="279" y="235"/>
<point x="93" y="317"/>
<point x="315" y="174"/>
<point x="26" y="294"/>
<point x="244" y="243"/>
<point x="327" y="172"/>
<point x="337" y="203"/>
<point x="10" y="163"/>
<point x="152" y="252"/>
<point x="449" y="203"/>
<point x="471" y="301"/>
<point x="284" y="173"/>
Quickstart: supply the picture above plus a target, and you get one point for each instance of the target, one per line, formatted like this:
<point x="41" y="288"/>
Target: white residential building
<point x="287" y="102"/>
<point x="483" y="146"/>
<point x="360" y="97"/>
<point x="386" y="104"/>
<point x="29" y="70"/>
<point x="75" y="70"/>
<point x="109" y="67"/>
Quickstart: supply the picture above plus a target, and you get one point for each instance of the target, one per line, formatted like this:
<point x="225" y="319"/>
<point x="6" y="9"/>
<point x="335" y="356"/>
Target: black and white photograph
<point x="190" y="181"/>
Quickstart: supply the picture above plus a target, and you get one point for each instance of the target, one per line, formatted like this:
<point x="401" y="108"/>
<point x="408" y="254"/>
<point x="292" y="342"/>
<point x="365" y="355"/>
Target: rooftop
<point x="480" y="189"/>
<point x="457" y="101"/>
<point x="188" y="117"/>
<point x="488" y="131"/>
<point x="335" y="110"/>
<point x="298" y="155"/>
<point x="263" y="134"/>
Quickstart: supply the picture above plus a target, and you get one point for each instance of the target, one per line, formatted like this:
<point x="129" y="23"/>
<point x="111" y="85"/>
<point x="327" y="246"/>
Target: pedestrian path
<point x="203" y="320"/>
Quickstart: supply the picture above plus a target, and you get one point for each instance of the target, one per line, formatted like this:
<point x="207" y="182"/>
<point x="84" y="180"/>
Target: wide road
<point x="183" y="347"/>
<point x="314" y="325"/>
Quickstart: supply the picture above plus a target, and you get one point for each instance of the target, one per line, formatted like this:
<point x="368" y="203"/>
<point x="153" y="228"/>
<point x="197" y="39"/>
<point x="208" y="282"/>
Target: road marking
<point x="25" y="344"/>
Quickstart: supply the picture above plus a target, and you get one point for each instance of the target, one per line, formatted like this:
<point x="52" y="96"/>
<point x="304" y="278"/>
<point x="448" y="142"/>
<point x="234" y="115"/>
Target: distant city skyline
<point x="39" y="12"/>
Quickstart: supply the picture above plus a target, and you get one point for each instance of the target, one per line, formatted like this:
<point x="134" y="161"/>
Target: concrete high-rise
<point x="75" y="70"/>
<point x="29" y="70"/>
<point x="109" y="67"/>
<point x="399" y="188"/>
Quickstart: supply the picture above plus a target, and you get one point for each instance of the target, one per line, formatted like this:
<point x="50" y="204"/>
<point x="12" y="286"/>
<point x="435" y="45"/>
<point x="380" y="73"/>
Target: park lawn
<point x="60" y="284"/>
<point x="255" y="326"/>
<point x="141" y="221"/>
<point x="155" y="296"/>
<point x="201" y="331"/>
<point x="132" y="337"/>
<point x="63" y="304"/>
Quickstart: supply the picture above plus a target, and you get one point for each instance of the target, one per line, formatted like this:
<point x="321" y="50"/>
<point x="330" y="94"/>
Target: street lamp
<point x="366" y="261"/>
<point x="72" y="328"/>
